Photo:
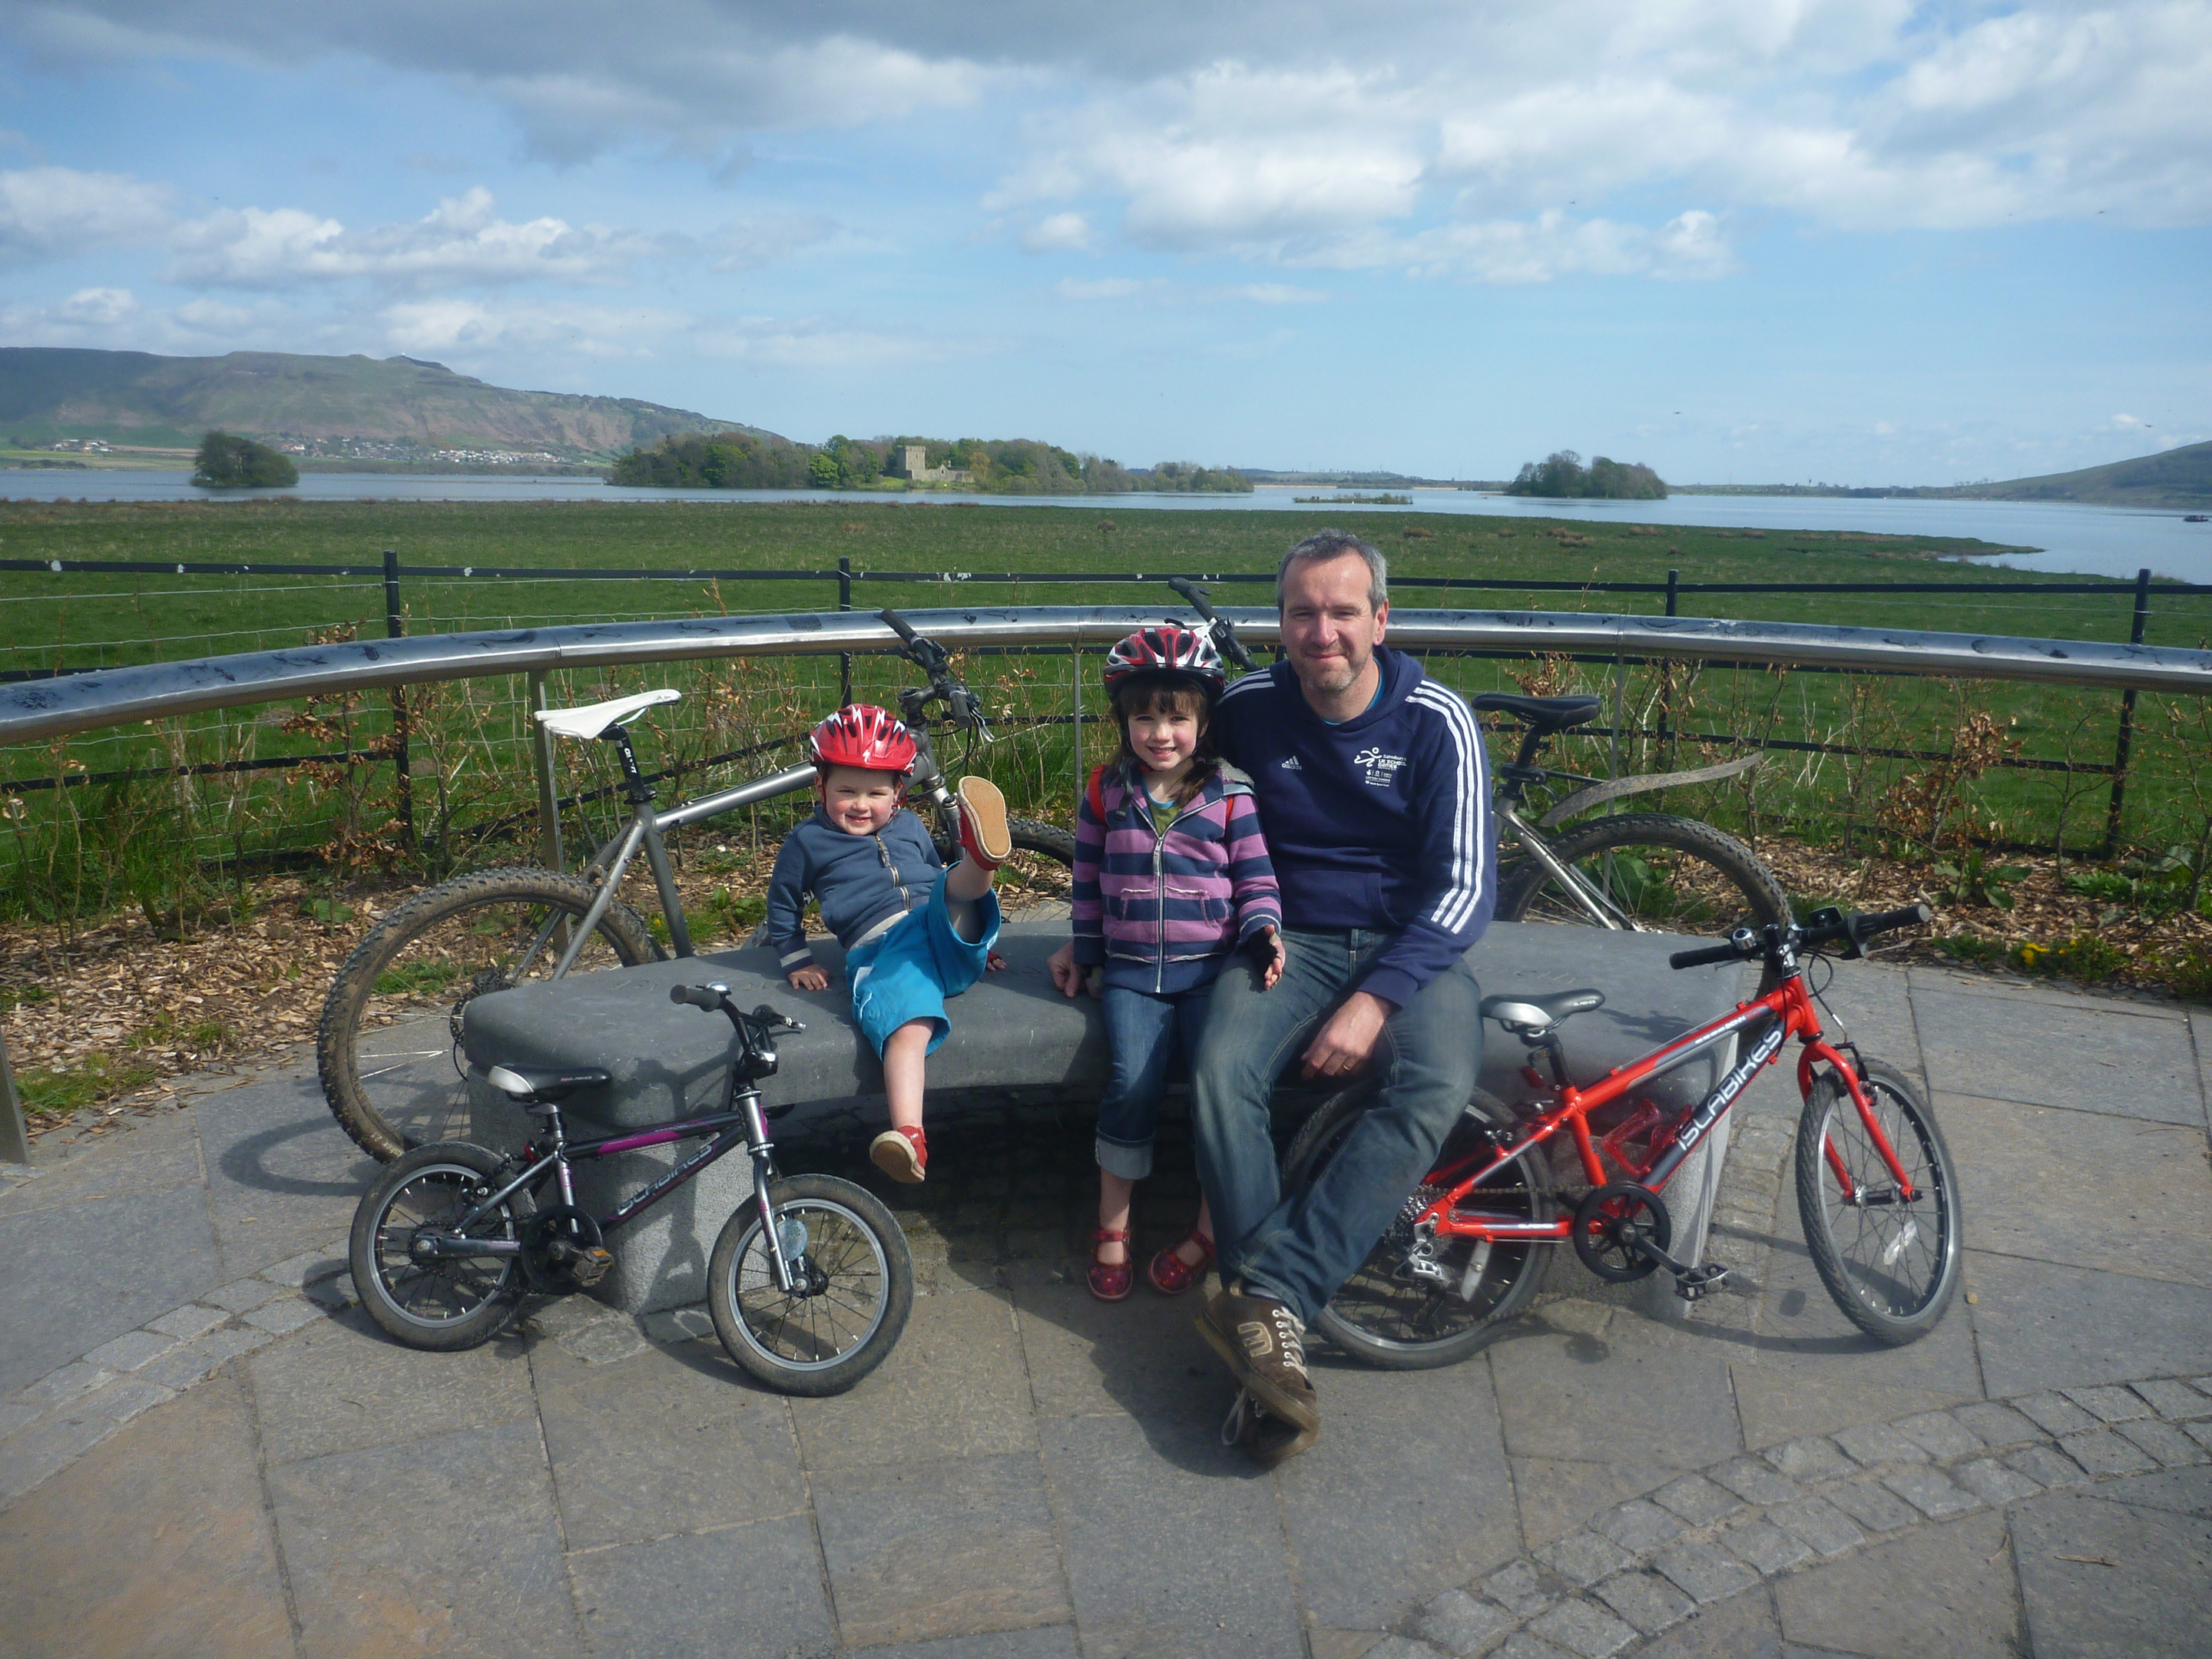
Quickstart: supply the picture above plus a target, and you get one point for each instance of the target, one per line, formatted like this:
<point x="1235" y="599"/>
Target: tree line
<point x="1009" y="466"/>
<point x="1562" y="476"/>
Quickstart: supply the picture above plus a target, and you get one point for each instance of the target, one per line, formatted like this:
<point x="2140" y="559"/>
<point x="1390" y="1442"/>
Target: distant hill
<point x="394" y="410"/>
<point x="2176" y="477"/>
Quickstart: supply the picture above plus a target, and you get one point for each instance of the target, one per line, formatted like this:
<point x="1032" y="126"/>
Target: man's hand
<point x="1279" y="957"/>
<point x="1346" y="1040"/>
<point x="1065" y="975"/>
<point x="809" y="978"/>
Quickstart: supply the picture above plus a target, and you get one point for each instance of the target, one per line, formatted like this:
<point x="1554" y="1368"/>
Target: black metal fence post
<point x="395" y="626"/>
<point x="844" y="658"/>
<point x="2127" y="721"/>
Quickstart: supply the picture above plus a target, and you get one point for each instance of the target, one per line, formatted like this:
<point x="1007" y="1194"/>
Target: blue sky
<point x="1856" y="240"/>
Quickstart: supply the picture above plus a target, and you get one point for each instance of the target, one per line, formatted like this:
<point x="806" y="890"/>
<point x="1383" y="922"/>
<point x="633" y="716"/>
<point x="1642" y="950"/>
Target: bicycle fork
<point x="784" y="1255"/>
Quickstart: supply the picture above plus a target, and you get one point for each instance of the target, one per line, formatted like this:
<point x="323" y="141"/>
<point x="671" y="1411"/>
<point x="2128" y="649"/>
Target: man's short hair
<point x="1334" y="544"/>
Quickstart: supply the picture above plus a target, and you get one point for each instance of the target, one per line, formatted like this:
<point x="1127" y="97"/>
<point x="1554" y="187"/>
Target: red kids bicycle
<point x="1469" y="1250"/>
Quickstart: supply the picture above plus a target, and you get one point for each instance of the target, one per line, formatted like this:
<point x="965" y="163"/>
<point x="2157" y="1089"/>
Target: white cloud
<point x="463" y="239"/>
<point x="56" y="213"/>
<point x="749" y="244"/>
<point x="1275" y="293"/>
<point x="1103" y="287"/>
<point x="1058" y="232"/>
<point x="460" y="326"/>
<point x="2129" y="424"/>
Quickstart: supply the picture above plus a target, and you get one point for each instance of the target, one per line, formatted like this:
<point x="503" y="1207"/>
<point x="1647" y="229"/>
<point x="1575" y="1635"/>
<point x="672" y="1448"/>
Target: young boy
<point x="913" y="931"/>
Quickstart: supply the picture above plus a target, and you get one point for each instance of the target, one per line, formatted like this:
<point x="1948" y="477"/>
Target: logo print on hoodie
<point x="1382" y="768"/>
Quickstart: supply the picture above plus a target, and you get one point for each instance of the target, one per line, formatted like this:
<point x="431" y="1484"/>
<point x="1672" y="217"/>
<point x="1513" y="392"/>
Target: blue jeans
<point x="1142" y="1033"/>
<point x="1298" y="1250"/>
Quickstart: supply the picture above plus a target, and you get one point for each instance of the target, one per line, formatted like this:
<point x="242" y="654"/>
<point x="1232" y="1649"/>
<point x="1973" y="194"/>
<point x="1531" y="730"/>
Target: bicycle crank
<point x="1622" y="1231"/>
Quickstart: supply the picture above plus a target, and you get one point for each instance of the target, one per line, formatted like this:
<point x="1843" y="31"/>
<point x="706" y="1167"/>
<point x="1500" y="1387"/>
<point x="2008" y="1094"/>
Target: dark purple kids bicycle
<point x="810" y="1282"/>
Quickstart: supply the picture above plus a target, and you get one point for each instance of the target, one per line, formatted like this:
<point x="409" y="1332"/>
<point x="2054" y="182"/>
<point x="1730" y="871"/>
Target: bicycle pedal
<point x="1697" y="1282"/>
<point x="591" y="1265"/>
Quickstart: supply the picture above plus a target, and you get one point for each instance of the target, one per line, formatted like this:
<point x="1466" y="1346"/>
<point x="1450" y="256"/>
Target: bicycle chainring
<point x="552" y="1241"/>
<point x="1610" y="1221"/>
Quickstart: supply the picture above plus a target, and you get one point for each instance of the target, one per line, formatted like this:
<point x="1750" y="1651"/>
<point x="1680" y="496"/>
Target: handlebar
<point x="1225" y="633"/>
<point x="765" y="1020"/>
<point x="927" y="655"/>
<point x="1828" y="927"/>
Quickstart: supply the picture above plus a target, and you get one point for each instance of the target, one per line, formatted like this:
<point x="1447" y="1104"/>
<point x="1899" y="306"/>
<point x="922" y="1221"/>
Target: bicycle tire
<point x="856" y="1247"/>
<point x="405" y="1096"/>
<point x="1382" y="1316"/>
<point x="1892" y="1304"/>
<point x="440" y="1182"/>
<point x="1047" y="841"/>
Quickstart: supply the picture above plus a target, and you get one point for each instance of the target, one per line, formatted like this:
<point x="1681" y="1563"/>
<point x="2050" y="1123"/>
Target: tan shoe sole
<point x="893" y="1153"/>
<point x="983" y="807"/>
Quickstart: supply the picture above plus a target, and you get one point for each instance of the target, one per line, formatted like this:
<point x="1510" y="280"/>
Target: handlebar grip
<point x="1704" y="954"/>
<point x="897" y="624"/>
<point x="1882" y="921"/>
<point x="1194" y="594"/>
<point x="698" y="996"/>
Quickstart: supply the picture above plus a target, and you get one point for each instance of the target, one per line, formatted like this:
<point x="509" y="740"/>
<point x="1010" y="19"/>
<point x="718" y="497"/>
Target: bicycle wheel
<point x="1891" y="1267"/>
<point x="1044" y="854"/>
<point x="1653" y="871"/>
<point x="856" y="1286"/>
<point x="453" y="1302"/>
<point x="1392" y="1315"/>
<point x="387" y="1046"/>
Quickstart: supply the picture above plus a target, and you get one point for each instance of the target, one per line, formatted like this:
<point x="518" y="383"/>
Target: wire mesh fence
<point x="439" y="777"/>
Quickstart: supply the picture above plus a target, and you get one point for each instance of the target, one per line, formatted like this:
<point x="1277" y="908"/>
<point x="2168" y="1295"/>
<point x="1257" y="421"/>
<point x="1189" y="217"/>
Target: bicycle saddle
<point x="1545" y="714"/>
<point x="1532" y="1015"/>
<point x="594" y="719"/>
<point x="541" y="1085"/>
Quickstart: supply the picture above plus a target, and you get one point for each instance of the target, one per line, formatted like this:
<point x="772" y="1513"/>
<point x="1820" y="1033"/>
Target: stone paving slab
<point x="1033" y="1475"/>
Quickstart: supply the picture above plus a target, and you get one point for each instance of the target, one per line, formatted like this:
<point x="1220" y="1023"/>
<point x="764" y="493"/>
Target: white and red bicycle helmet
<point x="864" y="736"/>
<point x="1167" y="649"/>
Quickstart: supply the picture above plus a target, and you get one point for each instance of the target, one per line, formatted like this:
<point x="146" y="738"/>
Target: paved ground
<point x="204" y="1450"/>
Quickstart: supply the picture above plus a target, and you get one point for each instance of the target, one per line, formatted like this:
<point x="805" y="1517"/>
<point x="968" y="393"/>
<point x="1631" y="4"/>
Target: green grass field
<point x="77" y="850"/>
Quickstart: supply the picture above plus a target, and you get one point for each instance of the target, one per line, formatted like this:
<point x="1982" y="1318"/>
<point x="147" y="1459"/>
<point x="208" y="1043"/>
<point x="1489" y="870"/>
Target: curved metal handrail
<point x="115" y="696"/>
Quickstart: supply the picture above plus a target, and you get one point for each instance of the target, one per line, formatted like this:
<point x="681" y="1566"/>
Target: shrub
<point x="2189" y="974"/>
<point x="1971" y="947"/>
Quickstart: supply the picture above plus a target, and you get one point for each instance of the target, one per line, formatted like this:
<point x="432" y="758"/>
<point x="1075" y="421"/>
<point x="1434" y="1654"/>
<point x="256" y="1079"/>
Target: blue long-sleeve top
<point x="1383" y="822"/>
<point x="860" y="882"/>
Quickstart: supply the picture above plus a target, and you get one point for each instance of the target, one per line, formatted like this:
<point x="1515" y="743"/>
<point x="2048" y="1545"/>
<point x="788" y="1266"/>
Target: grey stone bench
<point x="1013" y="1032"/>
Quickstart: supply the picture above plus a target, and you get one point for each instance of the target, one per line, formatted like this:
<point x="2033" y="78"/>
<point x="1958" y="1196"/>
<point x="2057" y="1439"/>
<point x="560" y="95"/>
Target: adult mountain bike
<point x="1876" y="1188"/>
<point x="1633" y="872"/>
<point x="388" y="1046"/>
<point x="811" y="1280"/>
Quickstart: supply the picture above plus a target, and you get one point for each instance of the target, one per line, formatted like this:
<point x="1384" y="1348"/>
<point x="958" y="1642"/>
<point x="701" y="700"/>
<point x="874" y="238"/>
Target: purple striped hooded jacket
<point x="1162" y="911"/>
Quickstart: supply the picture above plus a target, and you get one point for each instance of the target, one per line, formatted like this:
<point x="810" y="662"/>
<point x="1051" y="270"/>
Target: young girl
<point x="1170" y="876"/>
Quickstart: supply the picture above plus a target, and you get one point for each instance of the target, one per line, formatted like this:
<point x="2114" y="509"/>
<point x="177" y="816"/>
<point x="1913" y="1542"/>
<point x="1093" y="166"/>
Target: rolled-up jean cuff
<point x="1130" y="1162"/>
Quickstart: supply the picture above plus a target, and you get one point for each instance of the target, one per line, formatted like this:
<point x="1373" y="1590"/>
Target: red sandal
<point x="1110" y="1281"/>
<point x="1170" y="1275"/>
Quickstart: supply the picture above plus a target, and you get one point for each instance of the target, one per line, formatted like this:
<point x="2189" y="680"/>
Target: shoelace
<point x="1289" y="1340"/>
<point x="1243" y="1423"/>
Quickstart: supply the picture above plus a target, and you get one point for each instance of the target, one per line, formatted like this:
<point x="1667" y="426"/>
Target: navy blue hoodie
<point x="1383" y="822"/>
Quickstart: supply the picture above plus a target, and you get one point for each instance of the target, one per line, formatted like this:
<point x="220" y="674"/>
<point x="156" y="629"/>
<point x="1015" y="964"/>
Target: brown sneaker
<point x="1258" y="1432"/>
<point x="1263" y="1344"/>
<point x="983" y="833"/>
<point x="901" y="1154"/>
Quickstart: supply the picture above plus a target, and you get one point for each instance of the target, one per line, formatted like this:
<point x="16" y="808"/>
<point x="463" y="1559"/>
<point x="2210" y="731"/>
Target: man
<point x="1375" y="800"/>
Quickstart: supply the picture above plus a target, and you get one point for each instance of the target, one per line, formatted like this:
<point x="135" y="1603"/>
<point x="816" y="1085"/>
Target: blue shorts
<point x="906" y="972"/>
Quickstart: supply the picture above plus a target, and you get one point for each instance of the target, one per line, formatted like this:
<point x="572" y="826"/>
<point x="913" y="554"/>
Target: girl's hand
<point x="994" y="962"/>
<point x="1066" y="977"/>
<point x="1279" y="957"/>
<point x="809" y="978"/>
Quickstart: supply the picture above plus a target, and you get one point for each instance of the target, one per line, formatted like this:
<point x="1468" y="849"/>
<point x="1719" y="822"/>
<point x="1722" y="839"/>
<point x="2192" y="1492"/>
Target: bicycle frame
<point x="741" y="1119"/>
<point x="1785" y="1012"/>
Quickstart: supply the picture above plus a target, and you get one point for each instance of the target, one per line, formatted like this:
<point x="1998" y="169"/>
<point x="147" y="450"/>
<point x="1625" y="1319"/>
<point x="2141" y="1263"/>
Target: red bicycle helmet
<point x="1167" y="649"/>
<point x="864" y="736"/>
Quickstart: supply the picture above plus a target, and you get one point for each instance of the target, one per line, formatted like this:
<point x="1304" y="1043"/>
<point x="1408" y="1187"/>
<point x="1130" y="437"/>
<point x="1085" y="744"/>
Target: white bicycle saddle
<point x="594" y="718"/>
